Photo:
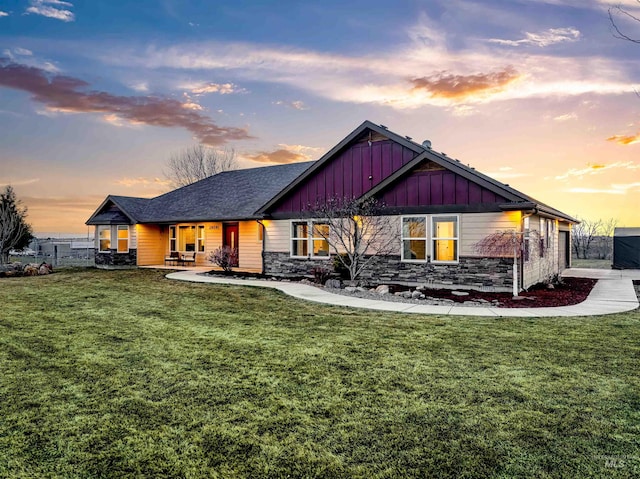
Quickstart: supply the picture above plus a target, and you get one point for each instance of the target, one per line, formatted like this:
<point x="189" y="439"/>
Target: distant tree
<point x="355" y="232"/>
<point x="15" y="232"/>
<point x="197" y="163"/>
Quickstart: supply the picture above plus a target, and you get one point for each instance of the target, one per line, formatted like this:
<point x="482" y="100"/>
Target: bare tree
<point x="618" y="12"/>
<point x="197" y="163"/>
<point x="583" y="236"/>
<point x="355" y="231"/>
<point x="15" y="232"/>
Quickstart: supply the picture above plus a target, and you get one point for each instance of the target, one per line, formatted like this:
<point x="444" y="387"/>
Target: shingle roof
<point x="231" y="195"/>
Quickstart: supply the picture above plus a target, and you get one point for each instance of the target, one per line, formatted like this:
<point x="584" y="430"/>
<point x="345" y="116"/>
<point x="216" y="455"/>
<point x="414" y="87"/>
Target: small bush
<point x="225" y="257"/>
<point x="339" y="266"/>
<point x="320" y="274"/>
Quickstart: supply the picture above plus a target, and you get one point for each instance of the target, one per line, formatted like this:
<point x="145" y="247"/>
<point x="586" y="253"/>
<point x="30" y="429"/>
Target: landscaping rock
<point x="382" y="289"/>
<point x="459" y="293"/>
<point x="333" y="283"/>
<point x="417" y="295"/>
<point x="351" y="289"/>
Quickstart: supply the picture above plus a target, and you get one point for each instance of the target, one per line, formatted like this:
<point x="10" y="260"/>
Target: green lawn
<point x="128" y="374"/>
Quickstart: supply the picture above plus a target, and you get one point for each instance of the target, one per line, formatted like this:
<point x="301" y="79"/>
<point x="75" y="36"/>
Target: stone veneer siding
<point x="469" y="272"/>
<point x="113" y="259"/>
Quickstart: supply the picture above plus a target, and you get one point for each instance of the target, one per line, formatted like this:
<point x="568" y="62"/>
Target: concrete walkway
<point x="610" y="295"/>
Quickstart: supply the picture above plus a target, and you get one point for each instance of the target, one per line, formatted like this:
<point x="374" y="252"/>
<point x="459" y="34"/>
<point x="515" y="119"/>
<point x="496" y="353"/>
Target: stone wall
<point x="114" y="260"/>
<point x="477" y="273"/>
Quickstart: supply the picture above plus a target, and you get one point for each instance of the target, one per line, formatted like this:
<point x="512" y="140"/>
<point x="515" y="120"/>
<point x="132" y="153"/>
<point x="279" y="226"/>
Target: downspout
<point x="264" y="228"/>
<point x="520" y="277"/>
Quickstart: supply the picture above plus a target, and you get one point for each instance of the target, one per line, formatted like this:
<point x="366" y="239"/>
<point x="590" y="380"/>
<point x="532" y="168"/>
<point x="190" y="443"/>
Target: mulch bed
<point x="570" y="291"/>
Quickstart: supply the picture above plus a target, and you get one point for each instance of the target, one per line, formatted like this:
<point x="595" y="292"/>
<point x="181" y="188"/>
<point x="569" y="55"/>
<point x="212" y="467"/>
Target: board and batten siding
<point x="151" y="241"/>
<point x="473" y="228"/>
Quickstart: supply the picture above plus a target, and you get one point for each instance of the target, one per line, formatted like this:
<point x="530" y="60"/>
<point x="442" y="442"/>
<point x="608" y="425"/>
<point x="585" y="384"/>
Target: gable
<point x="431" y="184"/>
<point x="352" y="171"/>
<point x="109" y="213"/>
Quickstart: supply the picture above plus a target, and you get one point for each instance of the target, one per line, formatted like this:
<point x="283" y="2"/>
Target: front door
<point x="230" y="237"/>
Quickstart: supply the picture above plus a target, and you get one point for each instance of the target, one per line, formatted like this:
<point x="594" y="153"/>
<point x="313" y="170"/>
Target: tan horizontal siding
<point x="151" y="243"/>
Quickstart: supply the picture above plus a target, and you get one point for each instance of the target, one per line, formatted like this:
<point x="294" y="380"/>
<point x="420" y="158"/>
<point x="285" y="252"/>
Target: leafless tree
<point x="357" y="232"/>
<point x="583" y="236"/>
<point x="197" y="163"/>
<point x="604" y="241"/>
<point x="15" y="232"/>
<point x="617" y="13"/>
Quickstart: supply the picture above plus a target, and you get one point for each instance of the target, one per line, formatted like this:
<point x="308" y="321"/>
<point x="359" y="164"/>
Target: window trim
<point x="313" y="239"/>
<point x="433" y="239"/>
<point x="201" y="239"/>
<point x="414" y="238"/>
<point x="102" y="228"/>
<point x="118" y="239"/>
<point x="293" y="238"/>
<point x="309" y="238"/>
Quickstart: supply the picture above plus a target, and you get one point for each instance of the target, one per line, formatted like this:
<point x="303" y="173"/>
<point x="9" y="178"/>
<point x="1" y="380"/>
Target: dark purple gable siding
<point x="440" y="187"/>
<point x="347" y="175"/>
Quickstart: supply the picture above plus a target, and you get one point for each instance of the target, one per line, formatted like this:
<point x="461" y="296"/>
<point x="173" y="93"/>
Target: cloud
<point x="296" y="105"/>
<point x="222" y="88"/>
<point x="625" y="139"/>
<point x="285" y="154"/>
<point x="596" y="168"/>
<point x="67" y="94"/>
<point x="566" y="117"/>
<point x="506" y="172"/>
<point x="616" y="189"/>
<point x="26" y="181"/>
<point x="23" y="51"/>
<point x="447" y="75"/>
<point x="542" y="39"/>
<point x="143" y="182"/>
<point x="447" y="85"/>
<point x="3" y="14"/>
<point x="52" y="9"/>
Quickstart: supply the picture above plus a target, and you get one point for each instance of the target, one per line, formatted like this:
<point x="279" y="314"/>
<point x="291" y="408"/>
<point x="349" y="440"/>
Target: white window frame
<point x="309" y="238"/>
<point x="433" y="238"/>
<point x="102" y="228"/>
<point x="415" y="238"/>
<point x="293" y="238"/>
<point x="173" y="240"/>
<point x="313" y="239"/>
<point x="200" y="239"/>
<point x="118" y="239"/>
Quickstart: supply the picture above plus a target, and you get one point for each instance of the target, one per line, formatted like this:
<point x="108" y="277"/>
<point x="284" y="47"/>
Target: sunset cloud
<point x="542" y="39"/>
<point x="615" y="189"/>
<point x="285" y="154"/>
<point x="625" y="139"/>
<point x="52" y="8"/>
<point x="447" y="85"/>
<point x="143" y="182"/>
<point x="566" y="117"/>
<point x="596" y="168"/>
<point x="69" y="95"/>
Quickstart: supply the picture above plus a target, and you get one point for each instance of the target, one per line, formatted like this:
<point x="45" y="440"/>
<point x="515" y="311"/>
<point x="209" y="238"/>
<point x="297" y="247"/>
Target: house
<point x="442" y="209"/>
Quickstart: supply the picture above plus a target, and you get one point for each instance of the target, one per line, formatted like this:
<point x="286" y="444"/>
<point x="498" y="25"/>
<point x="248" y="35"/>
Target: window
<point x="104" y="237"/>
<point x="187" y="238"/>
<point x="319" y="241"/>
<point x="172" y="239"/>
<point x="201" y="238"/>
<point x="299" y="238"/>
<point x="525" y="238"/>
<point x="309" y="239"/>
<point x="444" y="233"/>
<point x="414" y="239"/>
<point x="123" y="239"/>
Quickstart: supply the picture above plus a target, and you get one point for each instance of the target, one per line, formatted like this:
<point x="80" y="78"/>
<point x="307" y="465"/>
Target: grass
<point x="591" y="263"/>
<point x="127" y="374"/>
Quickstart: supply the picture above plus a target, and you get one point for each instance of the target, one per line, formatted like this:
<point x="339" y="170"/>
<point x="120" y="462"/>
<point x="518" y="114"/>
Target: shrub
<point x="320" y="274"/>
<point x="340" y="266"/>
<point x="225" y="257"/>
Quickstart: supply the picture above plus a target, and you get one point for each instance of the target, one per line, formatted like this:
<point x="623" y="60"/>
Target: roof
<point x="517" y="199"/>
<point x="231" y="195"/>
<point x="250" y="193"/>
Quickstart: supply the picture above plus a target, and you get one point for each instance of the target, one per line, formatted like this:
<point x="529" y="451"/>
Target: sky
<point x="96" y="96"/>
